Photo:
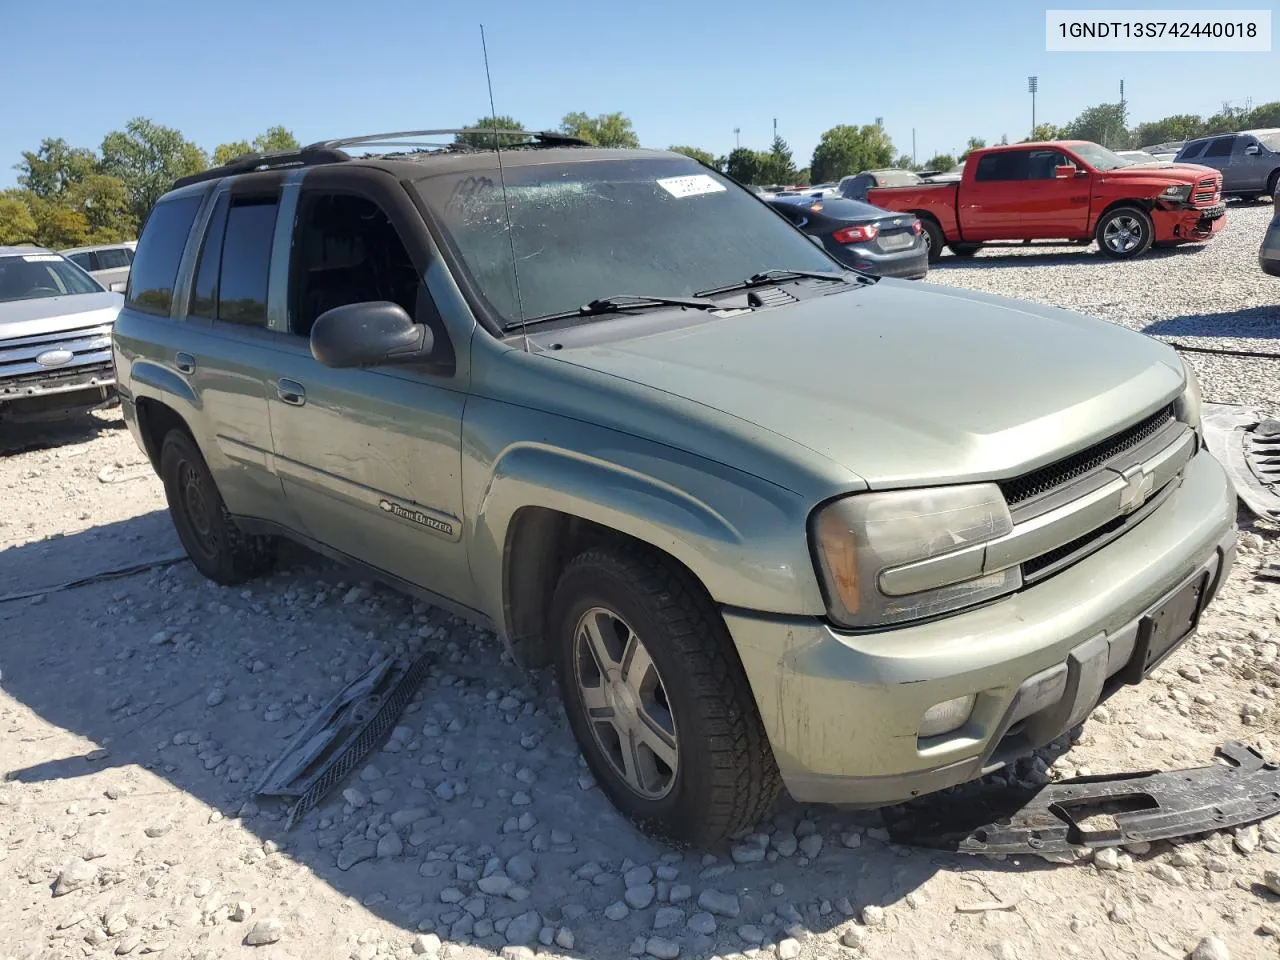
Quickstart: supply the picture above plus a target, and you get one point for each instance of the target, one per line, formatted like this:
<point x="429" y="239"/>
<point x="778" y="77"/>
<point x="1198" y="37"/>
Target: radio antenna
<point x="502" y="180"/>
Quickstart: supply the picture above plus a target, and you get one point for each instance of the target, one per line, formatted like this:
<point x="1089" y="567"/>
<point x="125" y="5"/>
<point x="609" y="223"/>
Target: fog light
<point x="947" y="716"/>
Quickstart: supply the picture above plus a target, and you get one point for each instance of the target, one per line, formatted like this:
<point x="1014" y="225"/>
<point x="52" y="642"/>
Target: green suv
<point x="775" y="523"/>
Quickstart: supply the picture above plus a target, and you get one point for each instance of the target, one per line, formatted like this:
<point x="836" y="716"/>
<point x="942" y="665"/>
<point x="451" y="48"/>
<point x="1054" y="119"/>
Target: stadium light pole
<point x="1033" y="85"/>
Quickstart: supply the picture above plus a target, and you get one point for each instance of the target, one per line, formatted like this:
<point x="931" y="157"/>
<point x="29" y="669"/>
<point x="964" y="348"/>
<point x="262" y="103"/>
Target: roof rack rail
<point x="249" y="162"/>
<point x="547" y="138"/>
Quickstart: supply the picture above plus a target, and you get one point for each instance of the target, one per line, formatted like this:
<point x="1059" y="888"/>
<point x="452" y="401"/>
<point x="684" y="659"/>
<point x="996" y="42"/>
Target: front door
<point x="1056" y="207"/>
<point x="370" y="459"/>
<point x="1217" y="154"/>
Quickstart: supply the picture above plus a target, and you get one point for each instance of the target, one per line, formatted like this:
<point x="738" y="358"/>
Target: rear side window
<point x="246" y="262"/>
<point x="155" y="265"/>
<point x="1220" y="147"/>
<point x="204" y="294"/>
<point x="112" y="259"/>
<point x="1009" y="165"/>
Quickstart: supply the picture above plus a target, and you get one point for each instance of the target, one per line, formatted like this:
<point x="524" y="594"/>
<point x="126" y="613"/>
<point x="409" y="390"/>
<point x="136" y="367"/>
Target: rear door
<point x="228" y="353"/>
<point x="990" y="205"/>
<point x="370" y="459"/>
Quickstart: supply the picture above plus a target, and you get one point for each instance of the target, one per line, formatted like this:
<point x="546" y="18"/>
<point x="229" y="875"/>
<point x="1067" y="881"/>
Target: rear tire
<point x="219" y="549"/>
<point x="1124" y="233"/>
<point x="657" y="697"/>
<point x="1273" y="186"/>
<point x="933" y="238"/>
<point x="964" y="249"/>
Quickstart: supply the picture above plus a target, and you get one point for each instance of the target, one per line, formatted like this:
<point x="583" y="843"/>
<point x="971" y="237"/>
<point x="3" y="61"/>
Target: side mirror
<point x="118" y="287"/>
<point x="371" y="334"/>
<point x="1251" y="150"/>
<point x="1064" y="171"/>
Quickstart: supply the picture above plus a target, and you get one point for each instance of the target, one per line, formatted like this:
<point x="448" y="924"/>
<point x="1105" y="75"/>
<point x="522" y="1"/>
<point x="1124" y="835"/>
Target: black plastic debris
<point x="1247" y="444"/>
<point x="1098" y="811"/>
<point x="341" y="734"/>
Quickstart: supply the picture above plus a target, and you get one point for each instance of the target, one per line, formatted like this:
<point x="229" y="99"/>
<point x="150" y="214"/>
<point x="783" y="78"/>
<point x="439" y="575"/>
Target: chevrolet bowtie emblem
<point x="1138" y="485"/>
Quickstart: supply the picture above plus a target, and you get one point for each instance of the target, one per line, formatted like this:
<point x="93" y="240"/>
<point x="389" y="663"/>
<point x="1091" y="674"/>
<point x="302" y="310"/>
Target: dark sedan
<point x="861" y="236"/>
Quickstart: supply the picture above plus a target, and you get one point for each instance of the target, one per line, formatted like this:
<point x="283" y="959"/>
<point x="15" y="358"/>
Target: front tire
<point x="218" y="548"/>
<point x="657" y="698"/>
<point x="964" y="249"/>
<point x="1124" y="232"/>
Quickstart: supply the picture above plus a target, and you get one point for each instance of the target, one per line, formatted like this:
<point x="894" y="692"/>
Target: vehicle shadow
<point x="1250" y="323"/>
<point x="995" y="257"/>
<point x="21" y="437"/>
<point x="168" y="696"/>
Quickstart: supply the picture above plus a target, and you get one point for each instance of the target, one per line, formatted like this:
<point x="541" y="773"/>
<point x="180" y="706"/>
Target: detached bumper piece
<point x="1099" y="811"/>
<point x="1247" y="444"/>
<point x="341" y="734"/>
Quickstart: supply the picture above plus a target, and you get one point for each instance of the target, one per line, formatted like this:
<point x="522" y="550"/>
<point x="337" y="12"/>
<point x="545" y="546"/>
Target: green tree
<point x="104" y="203"/>
<point x="803" y="177"/>
<point x="224" y="153"/>
<point x="777" y="165"/>
<point x="1264" y="115"/>
<point x="58" y="224"/>
<point x="904" y="162"/>
<point x="702" y="156"/>
<point x="975" y="143"/>
<point x="940" y="161"/>
<point x="1181" y="126"/>
<point x="1046" y="131"/>
<point x="485" y="141"/>
<point x="846" y="149"/>
<point x="148" y="157"/>
<point x="604" y="130"/>
<point x="17" y="225"/>
<point x="52" y="168"/>
<point x="275" y="139"/>
<point x="743" y="165"/>
<point x="1104" y="123"/>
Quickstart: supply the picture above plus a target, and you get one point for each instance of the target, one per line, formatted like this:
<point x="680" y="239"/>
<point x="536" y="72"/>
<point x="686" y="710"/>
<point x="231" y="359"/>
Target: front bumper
<point x="59" y="393"/>
<point x="1187" y="224"/>
<point x="843" y="710"/>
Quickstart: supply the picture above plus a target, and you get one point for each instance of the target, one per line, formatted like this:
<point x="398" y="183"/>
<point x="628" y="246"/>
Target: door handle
<point x="185" y="362"/>
<point x="291" y="392"/>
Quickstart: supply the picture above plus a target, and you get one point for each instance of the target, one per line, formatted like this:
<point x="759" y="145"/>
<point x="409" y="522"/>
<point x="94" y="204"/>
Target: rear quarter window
<point x="155" y="263"/>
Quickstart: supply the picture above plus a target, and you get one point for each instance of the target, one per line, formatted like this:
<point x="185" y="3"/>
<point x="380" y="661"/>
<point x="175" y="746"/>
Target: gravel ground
<point x="135" y="711"/>
<point x="1202" y="295"/>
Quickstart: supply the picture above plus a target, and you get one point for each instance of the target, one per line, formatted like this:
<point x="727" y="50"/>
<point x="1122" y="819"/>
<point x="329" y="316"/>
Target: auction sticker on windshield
<point x="42" y="258"/>
<point x="691" y="186"/>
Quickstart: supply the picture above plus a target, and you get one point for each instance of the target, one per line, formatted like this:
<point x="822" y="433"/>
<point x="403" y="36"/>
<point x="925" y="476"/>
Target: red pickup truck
<point x="1067" y="190"/>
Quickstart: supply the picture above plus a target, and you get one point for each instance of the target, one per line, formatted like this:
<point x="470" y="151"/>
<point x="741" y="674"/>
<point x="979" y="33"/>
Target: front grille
<point x="86" y="375"/>
<point x="1207" y="191"/>
<point x="1038" y="482"/>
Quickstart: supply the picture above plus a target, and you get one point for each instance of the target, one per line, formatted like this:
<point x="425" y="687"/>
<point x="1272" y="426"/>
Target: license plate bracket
<point x="895" y="241"/>
<point x="1162" y="629"/>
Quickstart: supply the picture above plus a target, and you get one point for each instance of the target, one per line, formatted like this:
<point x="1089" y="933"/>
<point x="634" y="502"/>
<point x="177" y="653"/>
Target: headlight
<point x="869" y="548"/>
<point x="1187" y="407"/>
<point x="1176" y="192"/>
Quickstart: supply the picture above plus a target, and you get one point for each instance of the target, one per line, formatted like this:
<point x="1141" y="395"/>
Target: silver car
<point x="108" y="263"/>
<point x="55" y="337"/>
<point x="1249" y="160"/>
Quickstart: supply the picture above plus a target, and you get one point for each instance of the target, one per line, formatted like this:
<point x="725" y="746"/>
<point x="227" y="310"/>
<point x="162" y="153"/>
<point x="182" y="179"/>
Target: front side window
<point x="82" y="260"/>
<point x="1043" y="164"/>
<point x="38" y="276"/>
<point x="1192" y="150"/>
<point x="155" y="264"/>
<point x="600" y="228"/>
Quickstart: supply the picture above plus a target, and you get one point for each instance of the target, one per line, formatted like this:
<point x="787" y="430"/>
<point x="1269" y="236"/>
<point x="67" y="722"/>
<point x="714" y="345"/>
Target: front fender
<point x="744" y="538"/>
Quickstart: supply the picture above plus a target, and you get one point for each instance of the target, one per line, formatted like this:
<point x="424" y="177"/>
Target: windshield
<point x="600" y="228"/>
<point x="35" y="276"/>
<point x="1098" y="157"/>
<point x="1271" y="141"/>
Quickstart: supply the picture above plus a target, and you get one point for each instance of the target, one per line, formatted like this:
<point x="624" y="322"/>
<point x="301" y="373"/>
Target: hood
<point x="1164" y="172"/>
<point x="34" y="318"/>
<point x="902" y="384"/>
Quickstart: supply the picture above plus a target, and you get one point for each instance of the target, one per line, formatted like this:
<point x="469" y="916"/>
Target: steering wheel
<point x="46" y="290"/>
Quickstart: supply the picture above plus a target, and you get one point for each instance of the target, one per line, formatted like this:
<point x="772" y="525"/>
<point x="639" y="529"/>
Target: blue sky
<point x="685" y="72"/>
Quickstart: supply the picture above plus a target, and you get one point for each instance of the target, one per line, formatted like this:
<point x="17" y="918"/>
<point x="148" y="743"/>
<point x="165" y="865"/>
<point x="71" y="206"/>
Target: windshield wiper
<point x="615" y="304"/>
<point x="773" y="276"/>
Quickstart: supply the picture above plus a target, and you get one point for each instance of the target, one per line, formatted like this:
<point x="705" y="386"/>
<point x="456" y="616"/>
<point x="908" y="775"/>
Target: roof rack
<point x="249" y="162"/>
<point x="547" y="138"/>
